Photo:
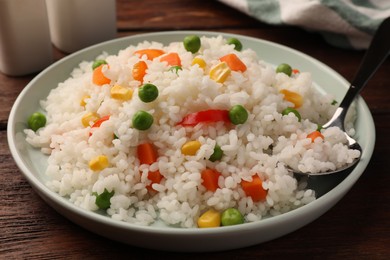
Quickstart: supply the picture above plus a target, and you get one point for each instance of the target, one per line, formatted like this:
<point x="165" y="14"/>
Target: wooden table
<point x="357" y="227"/>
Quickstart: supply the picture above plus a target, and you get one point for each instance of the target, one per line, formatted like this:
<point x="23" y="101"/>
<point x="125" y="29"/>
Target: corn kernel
<point x="220" y="72"/>
<point x="210" y="218"/>
<point x="83" y="102"/>
<point x="98" y="163"/>
<point x="292" y="97"/>
<point x="121" y="93"/>
<point x="88" y="118"/>
<point x="190" y="148"/>
<point x="201" y="63"/>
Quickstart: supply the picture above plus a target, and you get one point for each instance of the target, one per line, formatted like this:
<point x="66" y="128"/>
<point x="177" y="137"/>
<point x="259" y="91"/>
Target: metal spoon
<point x="374" y="57"/>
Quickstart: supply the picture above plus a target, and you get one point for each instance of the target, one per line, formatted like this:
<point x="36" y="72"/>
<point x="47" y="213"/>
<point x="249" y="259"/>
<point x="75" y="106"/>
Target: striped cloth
<point x="343" y="23"/>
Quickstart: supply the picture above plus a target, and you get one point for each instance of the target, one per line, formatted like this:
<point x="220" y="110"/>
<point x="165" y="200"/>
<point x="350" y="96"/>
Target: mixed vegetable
<point x="284" y="68"/>
<point x="36" y="121"/>
<point x="148" y="92"/>
<point x="289" y="110"/>
<point x="192" y="43"/>
<point x="143" y="120"/>
<point x="236" y="42"/>
<point x="213" y="218"/>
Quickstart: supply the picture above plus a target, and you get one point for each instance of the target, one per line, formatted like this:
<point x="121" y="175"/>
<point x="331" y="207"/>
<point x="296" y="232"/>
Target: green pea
<point x="142" y="120"/>
<point x="148" y="92"/>
<point x="292" y="110"/>
<point x="237" y="44"/>
<point x="284" y="68"/>
<point x="175" y="69"/>
<point x="97" y="63"/>
<point x="103" y="199"/>
<point x="238" y="115"/>
<point x="231" y="216"/>
<point x="36" y="121"/>
<point x="192" y="43"/>
<point x="217" y="154"/>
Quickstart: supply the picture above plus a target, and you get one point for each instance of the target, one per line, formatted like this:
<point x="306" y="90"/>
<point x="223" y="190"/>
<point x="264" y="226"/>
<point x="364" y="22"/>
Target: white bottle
<point x="76" y="24"/>
<point x="25" y="45"/>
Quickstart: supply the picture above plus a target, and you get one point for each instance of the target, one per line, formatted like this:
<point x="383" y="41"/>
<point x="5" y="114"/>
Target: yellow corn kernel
<point x="210" y="218"/>
<point x="292" y="97"/>
<point x="190" y="148"/>
<point x="220" y="72"/>
<point x="83" y="102"/>
<point x="121" y="93"/>
<point x="201" y="63"/>
<point x="98" y="163"/>
<point x="88" y="118"/>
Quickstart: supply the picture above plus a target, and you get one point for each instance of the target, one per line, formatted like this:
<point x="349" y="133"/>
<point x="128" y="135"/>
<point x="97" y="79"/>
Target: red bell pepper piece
<point x="99" y="122"/>
<point x="206" y="116"/>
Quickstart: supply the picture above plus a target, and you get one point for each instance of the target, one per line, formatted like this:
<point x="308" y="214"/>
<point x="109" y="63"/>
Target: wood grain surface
<point x="358" y="227"/>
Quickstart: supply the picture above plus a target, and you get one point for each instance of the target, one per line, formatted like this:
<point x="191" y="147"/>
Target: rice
<point x="264" y="145"/>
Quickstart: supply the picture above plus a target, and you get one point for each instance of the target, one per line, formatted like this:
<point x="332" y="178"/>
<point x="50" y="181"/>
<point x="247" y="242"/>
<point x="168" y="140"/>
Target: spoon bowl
<point x="376" y="54"/>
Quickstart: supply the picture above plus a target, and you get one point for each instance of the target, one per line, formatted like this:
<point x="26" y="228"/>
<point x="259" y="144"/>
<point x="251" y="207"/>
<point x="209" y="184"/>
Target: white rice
<point x="264" y="145"/>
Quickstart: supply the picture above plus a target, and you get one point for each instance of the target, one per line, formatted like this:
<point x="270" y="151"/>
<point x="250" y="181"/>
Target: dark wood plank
<point x="179" y="15"/>
<point x="10" y="88"/>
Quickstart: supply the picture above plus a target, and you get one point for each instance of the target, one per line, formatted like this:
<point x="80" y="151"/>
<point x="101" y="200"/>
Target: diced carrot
<point x="254" y="188"/>
<point x="210" y="179"/>
<point x="99" y="122"/>
<point x="172" y="58"/>
<point x="98" y="77"/>
<point x="147" y="154"/>
<point x="314" y="135"/>
<point x="150" y="53"/>
<point x="295" y="71"/>
<point x="154" y="177"/>
<point x="233" y="62"/>
<point x="139" y="70"/>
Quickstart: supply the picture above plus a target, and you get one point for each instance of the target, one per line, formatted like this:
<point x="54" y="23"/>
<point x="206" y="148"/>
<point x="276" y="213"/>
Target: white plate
<point x="32" y="163"/>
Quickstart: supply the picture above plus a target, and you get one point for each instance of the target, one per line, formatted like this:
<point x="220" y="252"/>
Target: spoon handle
<point x="374" y="57"/>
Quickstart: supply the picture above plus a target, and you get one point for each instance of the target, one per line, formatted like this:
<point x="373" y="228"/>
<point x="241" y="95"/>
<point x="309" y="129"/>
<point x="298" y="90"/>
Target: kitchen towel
<point x="343" y="23"/>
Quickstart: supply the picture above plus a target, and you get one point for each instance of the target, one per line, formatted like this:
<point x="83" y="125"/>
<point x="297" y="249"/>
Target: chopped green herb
<point x="103" y="199"/>
<point x="175" y="69"/>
